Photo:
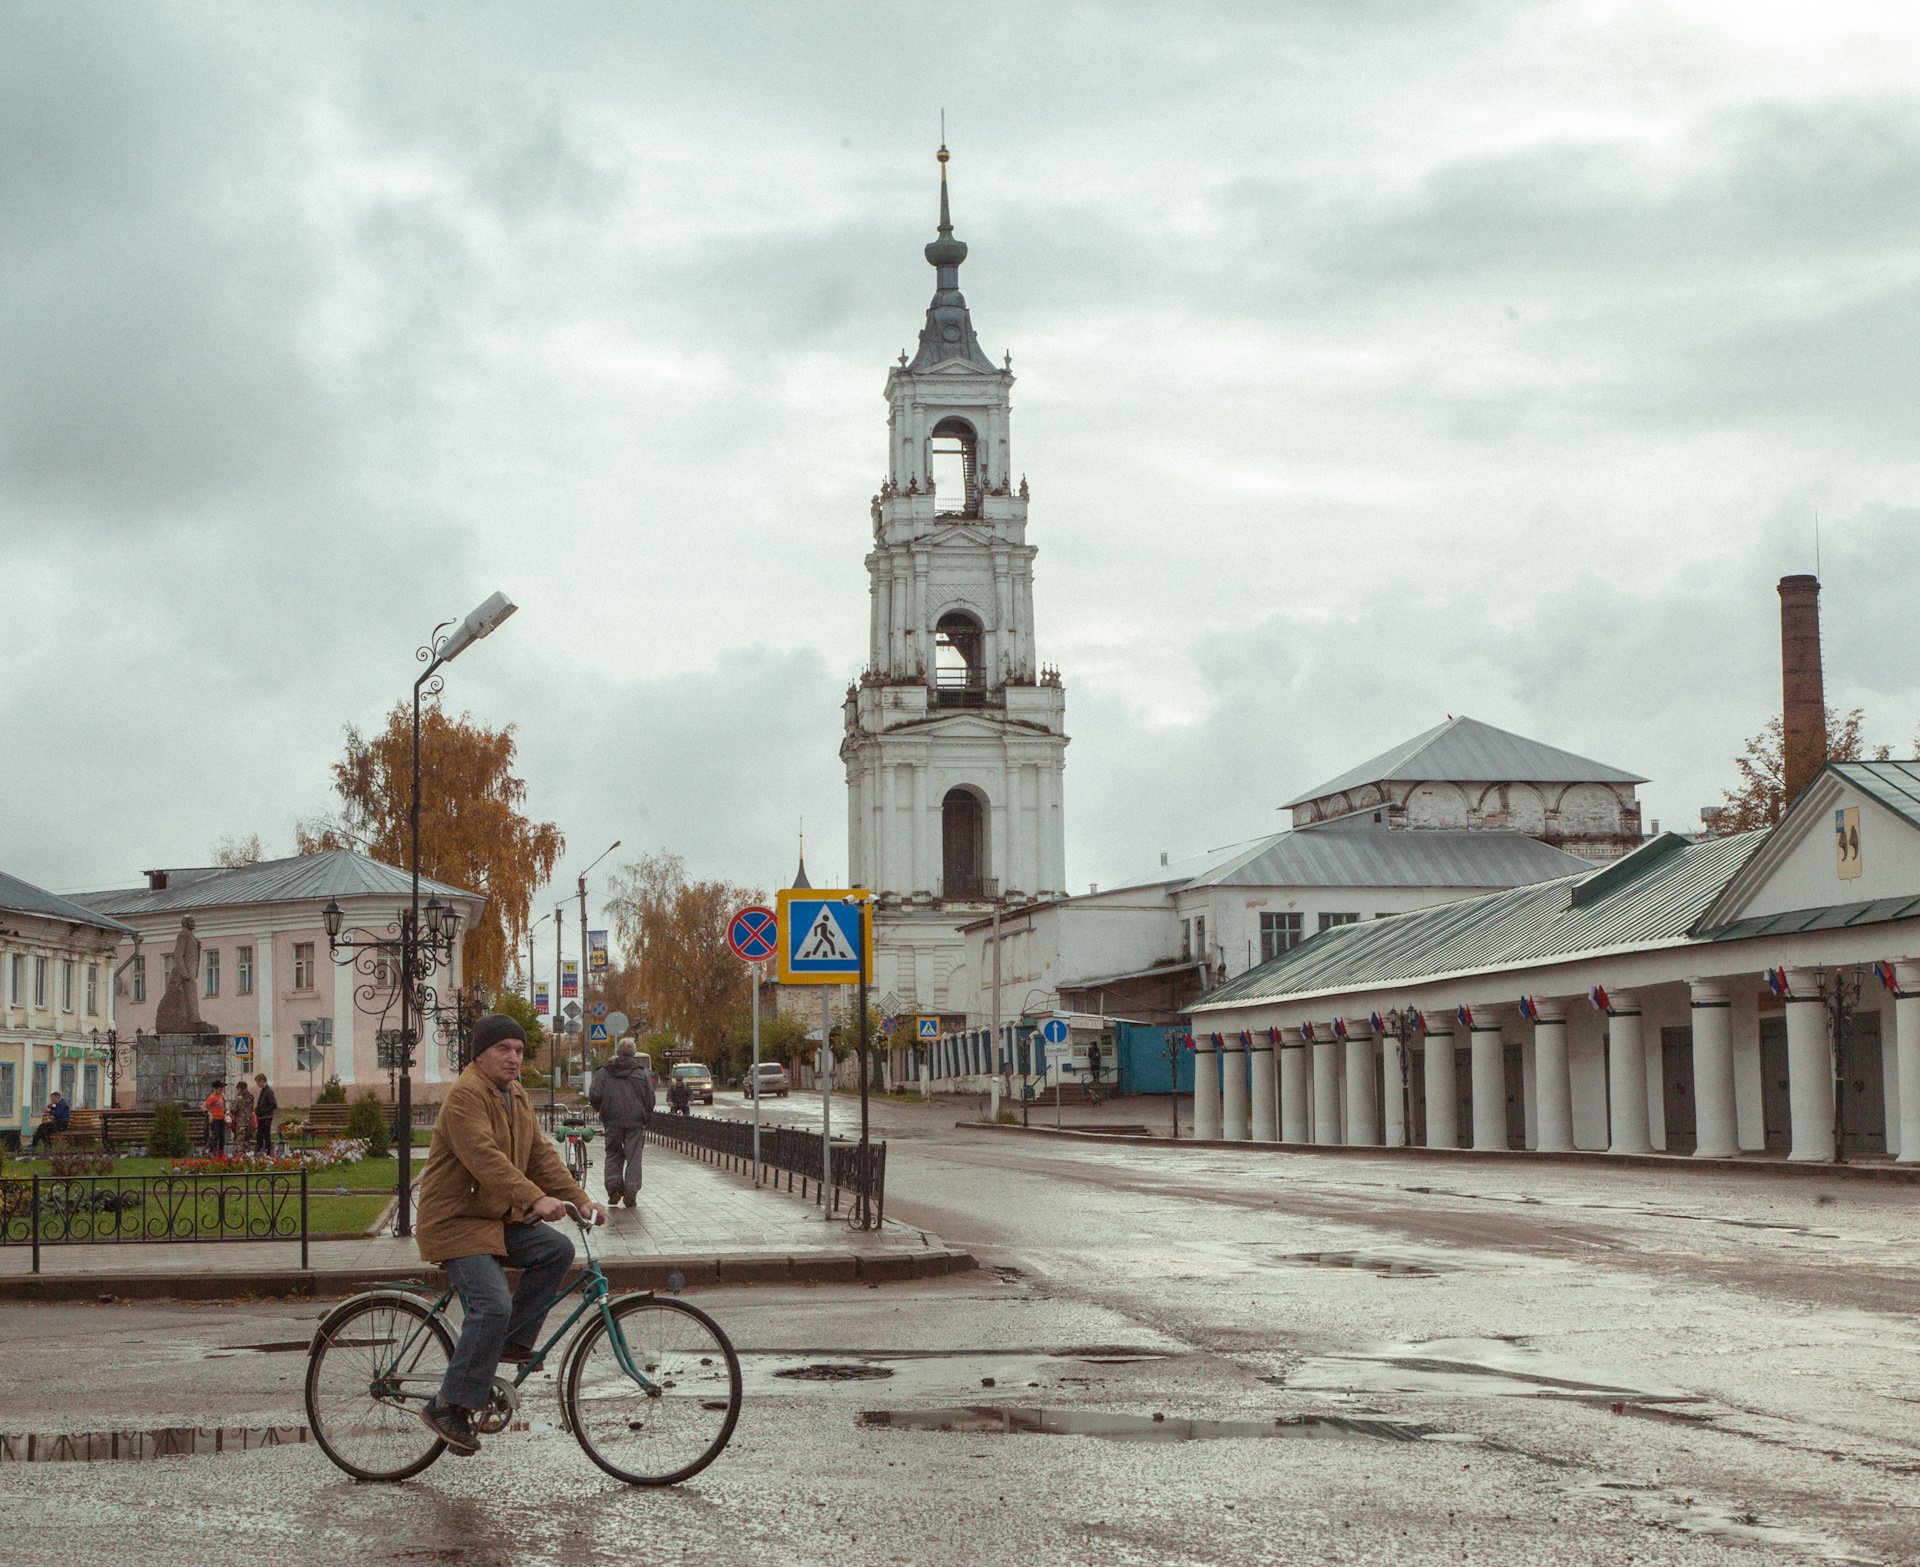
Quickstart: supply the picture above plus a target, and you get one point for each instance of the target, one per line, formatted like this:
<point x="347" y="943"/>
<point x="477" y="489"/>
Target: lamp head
<point x="332" y="918"/>
<point x="480" y="622"/>
<point x="434" y="913"/>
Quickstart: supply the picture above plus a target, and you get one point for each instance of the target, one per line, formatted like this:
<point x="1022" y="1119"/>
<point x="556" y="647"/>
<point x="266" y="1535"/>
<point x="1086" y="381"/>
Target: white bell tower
<point x="955" y="744"/>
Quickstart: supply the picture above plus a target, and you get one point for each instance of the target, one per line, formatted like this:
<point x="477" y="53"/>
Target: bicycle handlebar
<point x="579" y="1218"/>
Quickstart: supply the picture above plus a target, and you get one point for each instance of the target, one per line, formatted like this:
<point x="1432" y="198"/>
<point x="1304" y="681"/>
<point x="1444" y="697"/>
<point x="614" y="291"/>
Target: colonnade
<point x="1291" y="1087"/>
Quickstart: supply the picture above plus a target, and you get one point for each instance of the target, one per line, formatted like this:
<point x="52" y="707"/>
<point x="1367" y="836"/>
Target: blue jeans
<point x="492" y="1317"/>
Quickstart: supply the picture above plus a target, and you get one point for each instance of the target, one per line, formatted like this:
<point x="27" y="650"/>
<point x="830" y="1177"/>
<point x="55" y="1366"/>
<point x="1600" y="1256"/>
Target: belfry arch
<point x="953" y="464"/>
<point x="963" y="844"/>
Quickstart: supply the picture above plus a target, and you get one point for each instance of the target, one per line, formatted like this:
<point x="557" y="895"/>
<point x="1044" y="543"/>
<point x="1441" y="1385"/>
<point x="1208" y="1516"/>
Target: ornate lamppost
<point x="1839" y="990"/>
<point x="108" y="1045"/>
<point x="1401" y="1025"/>
<point x="454" y="1020"/>
<point x="423" y="939"/>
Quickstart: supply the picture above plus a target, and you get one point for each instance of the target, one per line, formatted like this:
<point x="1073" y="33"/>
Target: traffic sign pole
<point x="826" y="1101"/>
<point x="753" y="979"/>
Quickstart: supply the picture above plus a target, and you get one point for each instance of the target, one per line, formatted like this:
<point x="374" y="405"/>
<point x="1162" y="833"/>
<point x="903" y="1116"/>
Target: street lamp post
<point x="864" y="1216"/>
<point x="426" y="937"/>
<point x="586" y="957"/>
<point x="1400" y="1025"/>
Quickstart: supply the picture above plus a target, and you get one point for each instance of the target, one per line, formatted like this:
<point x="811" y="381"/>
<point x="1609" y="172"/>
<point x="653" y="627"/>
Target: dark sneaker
<point x="613" y="1196"/>
<point x="452" y="1426"/>
<point x="632" y="1201"/>
<point x="516" y="1354"/>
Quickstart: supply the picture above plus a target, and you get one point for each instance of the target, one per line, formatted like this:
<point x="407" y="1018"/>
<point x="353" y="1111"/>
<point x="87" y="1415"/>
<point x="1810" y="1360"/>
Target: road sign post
<point x="754" y="935"/>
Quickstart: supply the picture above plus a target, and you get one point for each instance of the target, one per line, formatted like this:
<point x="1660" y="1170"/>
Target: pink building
<point x="266" y="976"/>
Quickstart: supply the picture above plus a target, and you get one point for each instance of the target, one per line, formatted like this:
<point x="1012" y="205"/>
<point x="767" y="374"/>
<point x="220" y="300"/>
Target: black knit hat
<point x="493" y="1028"/>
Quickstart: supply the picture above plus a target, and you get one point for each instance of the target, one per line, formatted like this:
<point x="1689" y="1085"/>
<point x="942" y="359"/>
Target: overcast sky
<point x="1375" y="362"/>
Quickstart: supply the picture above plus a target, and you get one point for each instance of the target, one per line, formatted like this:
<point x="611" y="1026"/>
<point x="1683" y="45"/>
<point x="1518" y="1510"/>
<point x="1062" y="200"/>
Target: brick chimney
<point x="1803" y="707"/>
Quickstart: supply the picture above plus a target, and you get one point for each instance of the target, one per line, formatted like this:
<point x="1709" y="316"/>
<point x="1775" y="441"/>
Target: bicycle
<point x="1090" y="1089"/>
<point x="650" y="1388"/>
<point x="577" y="1135"/>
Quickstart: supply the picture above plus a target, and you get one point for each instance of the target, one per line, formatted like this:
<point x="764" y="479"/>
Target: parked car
<point x="698" y="1079"/>
<point x="769" y="1078"/>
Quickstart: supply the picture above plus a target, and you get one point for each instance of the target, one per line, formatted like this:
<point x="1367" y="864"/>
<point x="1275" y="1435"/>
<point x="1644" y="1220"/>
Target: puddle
<point x="1010" y="1420"/>
<point x="836" y="1371"/>
<point x="1469" y="1368"/>
<point x="87" y="1447"/>
<point x="1717" y="1520"/>
<point x="1363" y="1262"/>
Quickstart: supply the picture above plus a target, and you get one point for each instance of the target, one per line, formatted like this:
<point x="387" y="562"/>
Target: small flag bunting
<point x="1463" y="1015"/>
<point x="1598" y="996"/>
<point x="1530" y="1009"/>
<point x="1883" y="971"/>
<point x="1246" y="1038"/>
<point x="1374" y="1019"/>
<point x="1273" y="1036"/>
<point x="1339" y="1028"/>
<point x="1777" y="982"/>
<point x="1306" y="1033"/>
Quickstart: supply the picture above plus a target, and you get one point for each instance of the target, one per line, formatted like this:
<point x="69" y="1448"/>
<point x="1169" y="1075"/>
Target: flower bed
<point x="342" y="1150"/>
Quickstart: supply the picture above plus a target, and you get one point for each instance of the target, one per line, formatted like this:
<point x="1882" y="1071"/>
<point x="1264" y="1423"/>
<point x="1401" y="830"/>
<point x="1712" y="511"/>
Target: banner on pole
<point x="542" y="998"/>
<point x="569" y="978"/>
<point x="597" y="951"/>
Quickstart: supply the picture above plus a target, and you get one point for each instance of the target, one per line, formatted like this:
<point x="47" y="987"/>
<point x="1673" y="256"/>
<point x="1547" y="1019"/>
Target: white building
<point x="1691" y="997"/>
<point x="955" y="743"/>
<point x="56" y="983"/>
<point x="1457" y="810"/>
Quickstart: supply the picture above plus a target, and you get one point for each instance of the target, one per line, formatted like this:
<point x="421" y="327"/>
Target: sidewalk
<point x="709" y="1226"/>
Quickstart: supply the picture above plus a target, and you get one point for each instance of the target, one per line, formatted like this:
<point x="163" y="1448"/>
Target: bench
<point x="130" y="1128"/>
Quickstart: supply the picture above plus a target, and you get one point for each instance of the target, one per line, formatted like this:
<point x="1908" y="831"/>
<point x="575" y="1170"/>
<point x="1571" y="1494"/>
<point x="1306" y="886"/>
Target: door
<point x="67" y="1075"/>
<point x="38" y="1100"/>
<point x="1776" y="1115"/>
<point x="1676" y="1081"/>
<point x="90" y="1094"/>
<point x="1865" y="1101"/>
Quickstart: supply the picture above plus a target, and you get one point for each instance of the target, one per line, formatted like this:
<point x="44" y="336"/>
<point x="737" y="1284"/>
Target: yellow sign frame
<point x="782" y="915"/>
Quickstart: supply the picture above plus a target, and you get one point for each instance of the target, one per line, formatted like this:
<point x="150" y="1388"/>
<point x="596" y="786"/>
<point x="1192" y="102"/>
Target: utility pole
<point x="993" y="1104"/>
<point x="559" y="990"/>
<point x="586" y="981"/>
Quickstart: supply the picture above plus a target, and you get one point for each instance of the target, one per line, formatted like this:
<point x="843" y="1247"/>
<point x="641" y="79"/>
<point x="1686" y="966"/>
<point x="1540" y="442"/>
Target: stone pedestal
<point x="180" y="1067"/>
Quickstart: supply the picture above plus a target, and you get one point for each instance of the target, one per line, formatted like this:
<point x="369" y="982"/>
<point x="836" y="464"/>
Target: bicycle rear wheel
<point x="374" y="1363"/>
<point x="671" y="1431"/>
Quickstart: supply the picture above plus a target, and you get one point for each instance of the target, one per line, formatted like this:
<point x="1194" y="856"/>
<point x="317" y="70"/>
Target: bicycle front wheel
<point x="674" y="1426"/>
<point x="374" y="1363"/>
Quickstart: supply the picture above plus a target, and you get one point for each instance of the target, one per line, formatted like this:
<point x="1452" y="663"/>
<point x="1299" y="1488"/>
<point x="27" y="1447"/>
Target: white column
<point x="922" y="878"/>
<point x="1264" y="1122"/>
<point x="1393" y="1079"/>
<point x="884" y="872"/>
<point x="263" y="985"/>
<point x="1627" y="1077"/>
<point x="1443" y="1106"/>
<point x="1906" y="1042"/>
<point x="1206" y="1090"/>
<point x="1716" y="1127"/>
<point x="1363" y="1120"/>
<point x="342" y="1062"/>
<point x="1489" y="1080"/>
<point x="1553" y="1085"/>
<point x="1233" y="1092"/>
<point x="1293" y="1093"/>
<point x="1326" y="1090"/>
<point x="1809" y="1069"/>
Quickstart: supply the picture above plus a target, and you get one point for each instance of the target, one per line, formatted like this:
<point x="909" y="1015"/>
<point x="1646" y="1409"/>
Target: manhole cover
<point x="836" y="1371"/>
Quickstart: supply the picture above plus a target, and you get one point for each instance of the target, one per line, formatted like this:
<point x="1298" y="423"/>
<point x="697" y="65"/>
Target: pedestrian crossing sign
<point x="597" y="1034"/>
<point x="824" y="939"/>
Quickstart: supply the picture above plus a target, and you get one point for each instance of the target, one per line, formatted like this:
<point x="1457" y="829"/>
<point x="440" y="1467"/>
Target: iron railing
<point x="84" y="1210"/>
<point x="785" y="1150"/>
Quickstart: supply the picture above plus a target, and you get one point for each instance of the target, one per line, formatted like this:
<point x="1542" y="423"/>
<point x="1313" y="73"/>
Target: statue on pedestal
<point x="179" y="1011"/>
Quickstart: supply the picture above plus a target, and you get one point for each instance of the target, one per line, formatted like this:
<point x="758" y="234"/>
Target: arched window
<point x="963" y="845"/>
<point x="954" y="469"/>
<point x="958" y="653"/>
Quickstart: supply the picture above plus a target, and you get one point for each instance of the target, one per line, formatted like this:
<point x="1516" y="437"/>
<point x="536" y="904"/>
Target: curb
<point x="330" y="1284"/>
<point x="1884" y="1174"/>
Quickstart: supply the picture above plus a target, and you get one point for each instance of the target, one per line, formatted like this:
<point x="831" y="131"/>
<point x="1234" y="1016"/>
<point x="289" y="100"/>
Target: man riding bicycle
<point x="491" y="1178"/>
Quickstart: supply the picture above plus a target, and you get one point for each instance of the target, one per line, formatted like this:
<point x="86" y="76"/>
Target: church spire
<point x="948" y="333"/>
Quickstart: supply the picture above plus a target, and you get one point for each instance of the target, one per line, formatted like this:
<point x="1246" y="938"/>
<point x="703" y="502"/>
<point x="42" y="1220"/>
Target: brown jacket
<point x="488" y="1165"/>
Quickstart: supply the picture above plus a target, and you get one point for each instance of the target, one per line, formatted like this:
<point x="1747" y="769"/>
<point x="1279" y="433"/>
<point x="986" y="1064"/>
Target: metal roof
<point x="22" y="897"/>
<point x="1831" y="917"/>
<point x="1157" y="971"/>
<point x="1896" y="785"/>
<point x="334" y="873"/>
<point x="1464" y="750"/>
<point x="1651" y="897"/>
<point x="1329" y="856"/>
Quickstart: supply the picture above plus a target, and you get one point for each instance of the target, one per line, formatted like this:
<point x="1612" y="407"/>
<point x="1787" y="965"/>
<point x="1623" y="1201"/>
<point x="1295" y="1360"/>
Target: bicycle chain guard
<point x="502" y="1402"/>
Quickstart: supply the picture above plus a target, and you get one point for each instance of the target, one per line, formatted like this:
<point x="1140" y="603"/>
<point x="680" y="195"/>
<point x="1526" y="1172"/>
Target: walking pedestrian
<point x="622" y="1092"/>
<point x="216" y="1107"/>
<point x="240" y="1114"/>
<point x="265" y="1103"/>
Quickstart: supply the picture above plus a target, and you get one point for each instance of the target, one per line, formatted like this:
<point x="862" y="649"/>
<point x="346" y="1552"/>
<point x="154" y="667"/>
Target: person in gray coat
<point x="622" y="1092"/>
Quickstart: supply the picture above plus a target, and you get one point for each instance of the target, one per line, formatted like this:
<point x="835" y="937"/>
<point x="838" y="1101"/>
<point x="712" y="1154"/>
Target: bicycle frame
<point x="594" y="1291"/>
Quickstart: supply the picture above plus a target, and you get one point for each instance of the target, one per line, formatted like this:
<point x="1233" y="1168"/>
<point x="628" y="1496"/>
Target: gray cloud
<point x="1375" y="362"/>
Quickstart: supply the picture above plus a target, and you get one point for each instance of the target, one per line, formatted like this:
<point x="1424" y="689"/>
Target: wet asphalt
<point x="1373" y="1360"/>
